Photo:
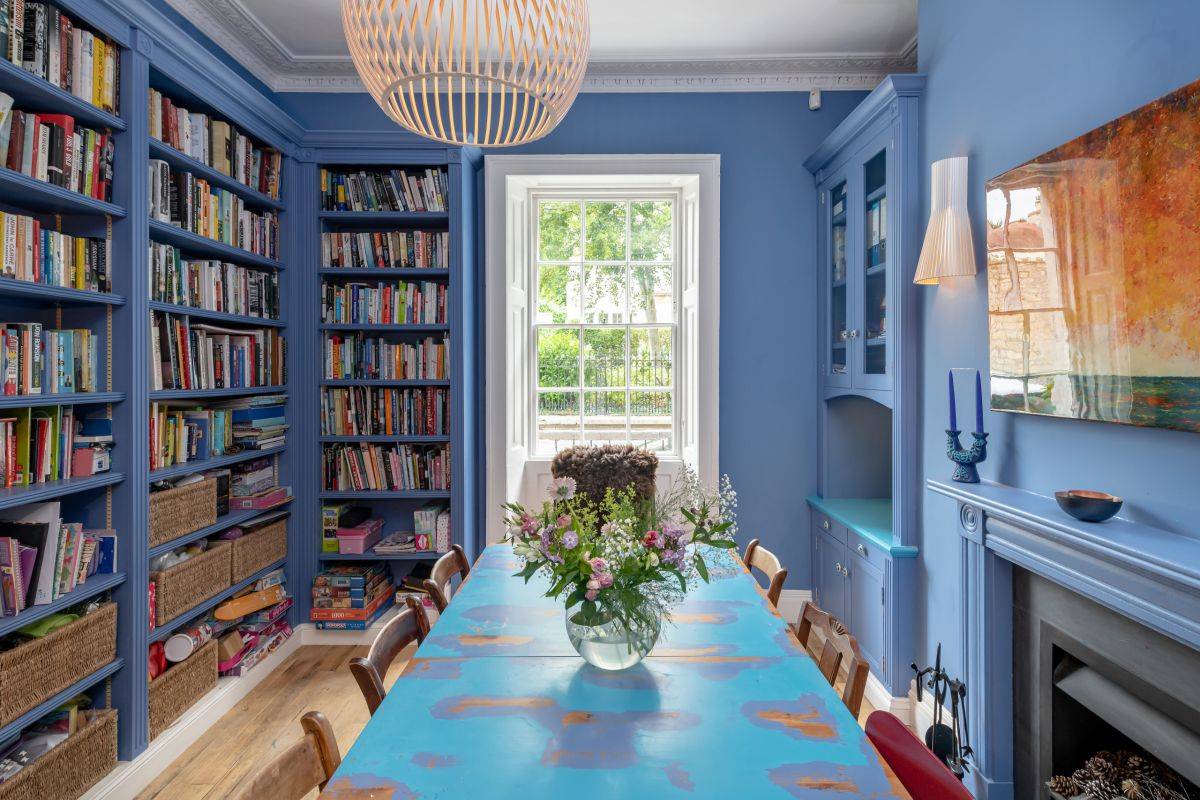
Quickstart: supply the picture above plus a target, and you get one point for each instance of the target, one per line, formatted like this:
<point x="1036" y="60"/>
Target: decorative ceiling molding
<point x="239" y="32"/>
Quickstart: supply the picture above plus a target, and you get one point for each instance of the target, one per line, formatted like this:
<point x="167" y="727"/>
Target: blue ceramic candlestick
<point x="965" y="460"/>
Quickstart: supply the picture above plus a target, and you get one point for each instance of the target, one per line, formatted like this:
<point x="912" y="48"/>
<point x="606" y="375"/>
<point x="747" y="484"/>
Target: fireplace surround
<point x="1142" y="582"/>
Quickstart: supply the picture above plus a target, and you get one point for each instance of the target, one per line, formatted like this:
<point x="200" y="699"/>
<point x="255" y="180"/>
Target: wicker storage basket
<point x="179" y="588"/>
<point x="174" y="692"/>
<point x="259" y="548"/>
<point x="70" y="769"/>
<point x="178" y="512"/>
<point x="35" y="671"/>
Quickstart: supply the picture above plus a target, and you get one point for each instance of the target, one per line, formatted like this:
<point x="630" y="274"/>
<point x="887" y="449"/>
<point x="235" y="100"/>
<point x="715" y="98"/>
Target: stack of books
<point x="196" y="356"/>
<point x="386" y="249"/>
<point x="381" y="303"/>
<point x="36" y="360"/>
<point x="38" y="254"/>
<point x="403" y="543"/>
<point x="212" y="285"/>
<point x="42" y="40"/>
<point x="43" y="558"/>
<point x="350" y="596"/>
<point x="195" y="205"/>
<point x="252" y="478"/>
<point x="258" y="422"/>
<point x="55" y="149"/>
<point x="361" y="357"/>
<point x="215" y="143"/>
<point x="383" y="190"/>
<point x="379" y="411"/>
<point x="364" y="467"/>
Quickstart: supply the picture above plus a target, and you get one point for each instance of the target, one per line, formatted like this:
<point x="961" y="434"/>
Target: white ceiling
<point x="646" y="45"/>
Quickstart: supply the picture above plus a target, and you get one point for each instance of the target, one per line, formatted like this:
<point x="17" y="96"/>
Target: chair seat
<point x="916" y="767"/>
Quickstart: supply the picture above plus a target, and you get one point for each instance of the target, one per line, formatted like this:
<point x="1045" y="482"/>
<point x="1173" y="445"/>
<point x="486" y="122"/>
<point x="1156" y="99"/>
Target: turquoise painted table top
<point x="496" y="704"/>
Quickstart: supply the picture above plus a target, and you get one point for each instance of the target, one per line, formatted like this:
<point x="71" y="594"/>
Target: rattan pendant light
<point x="491" y="73"/>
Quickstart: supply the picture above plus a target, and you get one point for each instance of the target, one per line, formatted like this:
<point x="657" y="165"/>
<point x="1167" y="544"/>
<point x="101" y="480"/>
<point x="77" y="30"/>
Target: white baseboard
<point x="791" y="601"/>
<point x="131" y="777"/>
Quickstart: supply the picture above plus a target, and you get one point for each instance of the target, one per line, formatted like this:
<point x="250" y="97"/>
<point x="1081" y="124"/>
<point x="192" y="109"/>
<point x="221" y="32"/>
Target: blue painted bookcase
<point x="156" y="53"/>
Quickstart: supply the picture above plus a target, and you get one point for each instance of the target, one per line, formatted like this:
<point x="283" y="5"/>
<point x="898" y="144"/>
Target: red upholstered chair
<point x="916" y="767"/>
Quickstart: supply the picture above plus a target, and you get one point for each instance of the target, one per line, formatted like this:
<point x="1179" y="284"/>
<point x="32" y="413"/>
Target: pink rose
<point x="606" y="579"/>
<point x="653" y="540"/>
<point x="564" y="520"/>
<point x="598" y="565"/>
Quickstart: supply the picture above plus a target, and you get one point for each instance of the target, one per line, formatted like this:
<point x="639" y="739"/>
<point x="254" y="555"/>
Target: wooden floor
<point x="314" y="678"/>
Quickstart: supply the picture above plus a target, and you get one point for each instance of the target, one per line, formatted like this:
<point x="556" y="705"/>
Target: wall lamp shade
<point x="949" y="248"/>
<point x="489" y="73"/>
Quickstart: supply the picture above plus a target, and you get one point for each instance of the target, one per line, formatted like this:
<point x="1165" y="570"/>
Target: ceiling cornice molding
<point x="233" y="27"/>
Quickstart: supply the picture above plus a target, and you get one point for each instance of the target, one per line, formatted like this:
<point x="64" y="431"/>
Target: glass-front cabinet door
<point x="837" y="278"/>
<point x="872" y="264"/>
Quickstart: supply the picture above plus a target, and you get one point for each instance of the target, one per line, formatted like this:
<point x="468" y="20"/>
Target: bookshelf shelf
<point x="878" y="269"/>
<point x="196" y="244"/>
<point x="216" y="316"/>
<point x="70" y="399"/>
<point x="413" y="218"/>
<point x="252" y="197"/>
<point x="179" y="470"/>
<point x="11" y="287"/>
<point x="90" y="588"/>
<point x="387" y="328"/>
<point x="39" y="492"/>
<point x="28" y="89"/>
<point x="36" y="713"/>
<point x="422" y="556"/>
<point x="200" y="394"/>
<point x="383" y="273"/>
<point x="165" y="630"/>
<point x="225" y="521"/>
<point x="415" y="383"/>
<point x="385" y="439"/>
<point x="34" y="195"/>
<point x="429" y="494"/>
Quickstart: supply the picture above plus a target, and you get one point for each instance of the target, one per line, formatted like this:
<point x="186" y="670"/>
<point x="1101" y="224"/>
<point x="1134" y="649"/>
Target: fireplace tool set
<point x="949" y="742"/>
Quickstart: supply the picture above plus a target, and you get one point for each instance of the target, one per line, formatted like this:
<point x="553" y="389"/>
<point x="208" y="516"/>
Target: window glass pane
<point x="604" y="300"/>
<point x="558" y="423"/>
<point x="558" y="294"/>
<point x="558" y="357"/>
<point x="605" y="231"/>
<point x="650" y="420"/>
<point x="558" y="230"/>
<point x="604" y="357"/>
<point x="604" y="417"/>
<point x="651" y="297"/>
<point x="650" y="359"/>
<point x="650" y="224"/>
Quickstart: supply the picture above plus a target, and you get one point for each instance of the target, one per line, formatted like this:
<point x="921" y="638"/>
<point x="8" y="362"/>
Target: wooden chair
<point x="306" y="765"/>
<point x="838" y="647"/>
<point x="438" y="582"/>
<point x="766" y="562"/>
<point x="916" y="767"/>
<point x="411" y="624"/>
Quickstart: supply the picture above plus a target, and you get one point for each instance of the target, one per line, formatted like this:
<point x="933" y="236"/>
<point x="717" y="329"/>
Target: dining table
<point x="496" y="703"/>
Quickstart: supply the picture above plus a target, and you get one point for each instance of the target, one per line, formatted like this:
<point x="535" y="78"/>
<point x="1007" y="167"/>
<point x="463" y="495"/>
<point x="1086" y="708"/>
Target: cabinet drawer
<point x="829" y="526"/>
<point x="866" y="550"/>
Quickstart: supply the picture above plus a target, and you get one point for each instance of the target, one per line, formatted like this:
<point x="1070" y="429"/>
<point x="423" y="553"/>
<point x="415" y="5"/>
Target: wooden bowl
<point x="1088" y="506"/>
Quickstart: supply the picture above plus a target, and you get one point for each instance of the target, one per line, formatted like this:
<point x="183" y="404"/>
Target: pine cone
<point x="1101" y="765"/>
<point x="1101" y="790"/>
<point x="1133" y="790"/>
<point x="1064" y="785"/>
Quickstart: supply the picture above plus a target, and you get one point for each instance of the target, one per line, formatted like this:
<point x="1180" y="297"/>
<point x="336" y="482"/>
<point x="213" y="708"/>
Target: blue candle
<point x="978" y="403"/>
<point x="953" y="414"/>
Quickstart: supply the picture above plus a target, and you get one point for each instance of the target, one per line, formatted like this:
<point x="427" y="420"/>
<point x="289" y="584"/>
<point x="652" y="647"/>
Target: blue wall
<point x="768" y="278"/>
<point x="1006" y="83"/>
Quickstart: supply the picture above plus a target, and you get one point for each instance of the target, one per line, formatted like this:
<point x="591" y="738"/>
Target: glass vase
<point x="607" y="644"/>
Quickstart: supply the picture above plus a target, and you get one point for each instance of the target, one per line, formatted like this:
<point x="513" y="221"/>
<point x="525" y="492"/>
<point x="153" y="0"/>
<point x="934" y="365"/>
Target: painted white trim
<point x="131" y="777"/>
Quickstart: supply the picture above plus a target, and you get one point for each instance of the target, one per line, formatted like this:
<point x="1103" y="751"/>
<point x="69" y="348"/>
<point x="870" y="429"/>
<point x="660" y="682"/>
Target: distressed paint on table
<point x="727" y="705"/>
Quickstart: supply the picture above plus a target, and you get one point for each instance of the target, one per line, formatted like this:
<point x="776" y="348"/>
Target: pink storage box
<point x="358" y="540"/>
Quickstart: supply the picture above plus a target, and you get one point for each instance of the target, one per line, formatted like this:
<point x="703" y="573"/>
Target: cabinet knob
<point x="862" y="549"/>
<point x="838" y="567"/>
<point x="825" y="524"/>
<point x="854" y="333"/>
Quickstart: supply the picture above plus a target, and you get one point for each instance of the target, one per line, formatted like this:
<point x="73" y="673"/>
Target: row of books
<point x="43" y="558"/>
<point x="184" y="434"/>
<point x="43" y="41"/>
<point x="34" y="253"/>
<point x="212" y="285"/>
<point x="350" y="596"/>
<point x="55" y="149"/>
<point x="366" y="467"/>
<point x="216" y="143"/>
<point x="195" y="356"/>
<point x="359" y="357"/>
<point x="383" y="411"/>
<point x="39" y="445"/>
<point x="37" y="360"/>
<point x="195" y="205"/>
<point x="382" y="303"/>
<point x="386" y="249"/>
<point x="384" y="190"/>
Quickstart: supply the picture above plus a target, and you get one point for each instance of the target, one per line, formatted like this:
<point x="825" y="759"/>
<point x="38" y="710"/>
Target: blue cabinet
<point x="829" y="562"/>
<point x="865" y="599"/>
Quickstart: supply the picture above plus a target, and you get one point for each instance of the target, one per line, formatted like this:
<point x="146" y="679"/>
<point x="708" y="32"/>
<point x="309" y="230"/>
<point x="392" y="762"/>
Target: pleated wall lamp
<point x="949" y="248"/>
<point x="490" y="73"/>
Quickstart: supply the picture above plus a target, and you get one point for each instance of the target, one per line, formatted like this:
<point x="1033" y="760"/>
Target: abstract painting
<point x="1094" y="273"/>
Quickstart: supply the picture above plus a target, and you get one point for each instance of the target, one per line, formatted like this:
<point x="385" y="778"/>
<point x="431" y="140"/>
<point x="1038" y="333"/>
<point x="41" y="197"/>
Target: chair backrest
<point x="306" y="765"/>
<point x="438" y="582"/>
<point x="916" y="767"/>
<point x="760" y="558"/>
<point x="837" y="647"/>
<point x="411" y="624"/>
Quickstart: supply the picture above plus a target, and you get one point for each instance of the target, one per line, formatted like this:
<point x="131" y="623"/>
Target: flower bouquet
<point x="619" y="564"/>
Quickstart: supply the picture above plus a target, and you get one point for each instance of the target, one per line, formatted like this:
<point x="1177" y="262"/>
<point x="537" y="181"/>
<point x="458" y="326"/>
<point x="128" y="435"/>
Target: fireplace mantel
<point x="1148" y="574"/>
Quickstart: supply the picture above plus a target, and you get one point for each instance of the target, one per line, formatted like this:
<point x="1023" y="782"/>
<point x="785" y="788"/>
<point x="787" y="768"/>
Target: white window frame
<point x="511" y="184"/>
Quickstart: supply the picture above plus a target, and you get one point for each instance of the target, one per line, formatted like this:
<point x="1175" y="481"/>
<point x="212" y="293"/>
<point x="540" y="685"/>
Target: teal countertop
<point x="870" y="519"/>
